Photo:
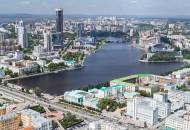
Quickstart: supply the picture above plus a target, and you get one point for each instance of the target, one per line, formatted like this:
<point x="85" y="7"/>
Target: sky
<point x="98" y="7"/>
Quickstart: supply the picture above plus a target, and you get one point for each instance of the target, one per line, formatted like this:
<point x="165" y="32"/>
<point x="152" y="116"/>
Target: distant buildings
<point x="22" y="35"/>
<point x="148" y="38"/>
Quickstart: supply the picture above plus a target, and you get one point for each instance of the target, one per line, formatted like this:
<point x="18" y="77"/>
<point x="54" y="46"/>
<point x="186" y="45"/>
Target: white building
<point x="142" y="110"/>
<point x="22" y="35"/>
<point x="148" y="109"/>
<point x="19" y="55"/>
<point x="103" y="125"/>
<point x="178" y="121"/>
<point x="38" y="50"/>
<point x="178" y="99"/>
<point x="164" y="107"/>
<point x="34" y="119"/>
<point x="47" y="41"/>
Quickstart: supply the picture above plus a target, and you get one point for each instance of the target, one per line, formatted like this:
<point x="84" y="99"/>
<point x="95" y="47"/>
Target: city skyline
<point x="98" y="7"/>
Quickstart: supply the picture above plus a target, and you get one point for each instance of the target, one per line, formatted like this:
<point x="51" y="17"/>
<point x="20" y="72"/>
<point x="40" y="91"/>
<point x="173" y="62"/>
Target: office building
<point x="59" y="20"/>
<point x="22" y="35"/>
<point x="148" y="109"/>
<point x="142" y="110"/>
<point x="160" y="100"/>
<point x="2" y="37"/>
<point x="80" y="29"/>
<point x="59" y="23"/>
<point x="47" y="41"/>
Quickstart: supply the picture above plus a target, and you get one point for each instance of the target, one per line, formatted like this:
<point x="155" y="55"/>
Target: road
<point x="58" y="107"/>
<point x="86" y="116"/>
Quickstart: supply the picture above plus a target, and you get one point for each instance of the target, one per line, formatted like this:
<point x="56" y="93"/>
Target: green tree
<point x="145" y="125"/>
<point x="37" y="91"/>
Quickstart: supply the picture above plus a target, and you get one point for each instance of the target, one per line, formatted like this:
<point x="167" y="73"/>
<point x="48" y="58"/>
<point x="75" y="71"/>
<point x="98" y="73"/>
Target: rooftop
<point x="124" y="80"/>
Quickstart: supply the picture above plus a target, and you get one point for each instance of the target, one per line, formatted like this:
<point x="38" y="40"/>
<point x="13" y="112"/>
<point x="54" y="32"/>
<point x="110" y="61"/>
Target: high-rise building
<point x="2" y="37"/>
<point x="80" y="29"/>
<point x="47" y="41"/>
<point x="57" y="36"/>
<point x="59" y="22"/>
<point x="22" y="35"/>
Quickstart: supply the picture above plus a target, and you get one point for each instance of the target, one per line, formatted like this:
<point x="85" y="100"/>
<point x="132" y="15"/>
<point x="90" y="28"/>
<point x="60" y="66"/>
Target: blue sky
<point x="116" y="7"/>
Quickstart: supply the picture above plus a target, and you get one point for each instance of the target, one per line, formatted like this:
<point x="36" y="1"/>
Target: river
<point x="112" y="61"/>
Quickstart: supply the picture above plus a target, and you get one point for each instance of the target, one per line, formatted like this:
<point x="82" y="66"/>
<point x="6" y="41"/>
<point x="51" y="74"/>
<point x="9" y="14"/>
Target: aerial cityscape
<point x="94" y="65"/>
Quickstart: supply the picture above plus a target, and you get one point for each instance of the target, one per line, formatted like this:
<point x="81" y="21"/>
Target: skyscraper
<point x="80" y="29"/>
<point x="22" y="35"/>
<point x="47" y="41"/>
<point x="59" y="29"/>
<point x="59" y="20"/>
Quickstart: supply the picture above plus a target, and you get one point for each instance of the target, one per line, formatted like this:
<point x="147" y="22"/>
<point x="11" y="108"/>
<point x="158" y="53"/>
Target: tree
<point x="145" y="125"/>
<point x="37" y="91"/>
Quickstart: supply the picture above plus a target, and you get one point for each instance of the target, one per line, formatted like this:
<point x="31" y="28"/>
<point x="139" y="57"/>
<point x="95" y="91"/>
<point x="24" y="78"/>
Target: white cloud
<point x="134" y="1"/>
<point x="25" y="2"/>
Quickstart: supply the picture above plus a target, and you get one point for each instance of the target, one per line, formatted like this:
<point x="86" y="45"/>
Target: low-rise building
<point x="104" y="125"/>
<point x="181" y="73"/>
<point x="33" y="119"/>
<point x="10" y="121"/>
<point x="131" y="94"/>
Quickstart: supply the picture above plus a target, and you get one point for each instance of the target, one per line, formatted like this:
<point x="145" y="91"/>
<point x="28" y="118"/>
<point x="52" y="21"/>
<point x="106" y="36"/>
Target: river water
<point x="112" y="61"/>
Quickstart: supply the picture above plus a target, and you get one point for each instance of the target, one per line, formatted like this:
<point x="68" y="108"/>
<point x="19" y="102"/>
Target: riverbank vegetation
<point x="97" y="86"/>
<point x="10" y="73"/>
<point x="37" y="91"/>
<point x="100" y="42"/>
<point x="169" y="72"/>
<point x="54" y="66"/>
<point x="76" y="56"/>
<point x="163" y="56"/>
<point x="186" y="54"/>
<point x="70" y="120"/>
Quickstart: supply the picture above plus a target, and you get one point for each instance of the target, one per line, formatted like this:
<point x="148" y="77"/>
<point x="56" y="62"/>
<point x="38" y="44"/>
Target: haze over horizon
<point x="98" y="7"/>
